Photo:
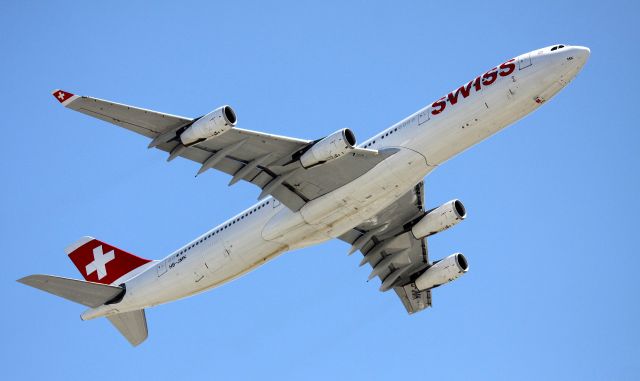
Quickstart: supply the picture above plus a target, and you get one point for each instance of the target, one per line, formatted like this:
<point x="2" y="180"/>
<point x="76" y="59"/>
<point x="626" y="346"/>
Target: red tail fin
<point x="101" y="262"/>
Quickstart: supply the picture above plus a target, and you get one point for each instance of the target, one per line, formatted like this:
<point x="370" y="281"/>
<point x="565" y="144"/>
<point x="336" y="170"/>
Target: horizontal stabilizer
<point x="132" y="325"/>
<point x="89" y="294"/>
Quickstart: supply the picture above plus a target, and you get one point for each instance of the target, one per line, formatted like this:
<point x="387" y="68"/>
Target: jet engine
<point x="439" y="219"/>
<point x="443" y="271"/>
<point x="213" y="124"/>
<point x="332" y="147"/>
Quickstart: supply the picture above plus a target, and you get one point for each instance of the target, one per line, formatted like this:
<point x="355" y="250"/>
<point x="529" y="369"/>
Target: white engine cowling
<point x="439" y="219"/>
<point x="213" y="124"/>
<point x="332" y="147"/>
<point x="443" y="271"/>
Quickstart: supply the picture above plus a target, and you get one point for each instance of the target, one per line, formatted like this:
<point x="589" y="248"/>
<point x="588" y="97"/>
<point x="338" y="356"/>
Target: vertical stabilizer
<point x="100" y="262"/>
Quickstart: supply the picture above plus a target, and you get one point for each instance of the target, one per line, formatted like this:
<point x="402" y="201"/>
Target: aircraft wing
<point x="393" y="253"/>
<point x="266" y="160"/>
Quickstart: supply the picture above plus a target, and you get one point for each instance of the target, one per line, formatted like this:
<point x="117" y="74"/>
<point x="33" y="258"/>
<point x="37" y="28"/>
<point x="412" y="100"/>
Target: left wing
<point x="392" y="251"/>
<point x="266" y="160"/>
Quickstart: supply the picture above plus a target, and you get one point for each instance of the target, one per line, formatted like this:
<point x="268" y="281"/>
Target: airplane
<point x="369" y="195"/>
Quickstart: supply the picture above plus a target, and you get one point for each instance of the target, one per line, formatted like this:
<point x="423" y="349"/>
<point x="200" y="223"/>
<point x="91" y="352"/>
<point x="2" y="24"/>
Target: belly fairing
<point x="335" y="213"/>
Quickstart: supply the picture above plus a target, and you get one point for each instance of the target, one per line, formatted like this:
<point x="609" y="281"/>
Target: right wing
<point x="266" y="160"/>
<point x="394" y="254"/>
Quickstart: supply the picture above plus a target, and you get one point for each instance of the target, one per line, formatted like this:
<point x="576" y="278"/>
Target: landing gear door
<point x="524" y="61"/>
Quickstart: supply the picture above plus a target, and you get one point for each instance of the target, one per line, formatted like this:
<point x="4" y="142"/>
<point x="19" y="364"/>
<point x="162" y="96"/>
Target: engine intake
<point x="213" y="124"/>
<point x="443" y="271"/>
<point x="439" y="219"/>
<point x="332" y="147"/>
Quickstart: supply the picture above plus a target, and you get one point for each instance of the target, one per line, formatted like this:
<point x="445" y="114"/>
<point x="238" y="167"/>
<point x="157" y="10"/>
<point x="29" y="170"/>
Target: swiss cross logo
<point x="61" y="95"/>
<point x="100" y="262"/>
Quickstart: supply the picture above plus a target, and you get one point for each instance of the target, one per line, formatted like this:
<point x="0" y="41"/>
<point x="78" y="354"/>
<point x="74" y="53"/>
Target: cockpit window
<point x="557" y="47"/>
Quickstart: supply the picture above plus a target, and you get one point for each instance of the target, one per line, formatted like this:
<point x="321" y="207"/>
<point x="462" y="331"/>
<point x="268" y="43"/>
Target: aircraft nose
<point x="574" y="57"/>
<point x="582" y="52"/>
<point x="580" y="55"/>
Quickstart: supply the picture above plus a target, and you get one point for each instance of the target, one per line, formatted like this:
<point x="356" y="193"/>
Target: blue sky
<point x="551" y="235"/>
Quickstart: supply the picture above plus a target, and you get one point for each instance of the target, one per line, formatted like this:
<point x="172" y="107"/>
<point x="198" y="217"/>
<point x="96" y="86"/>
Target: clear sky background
<point x="552" y="232"/>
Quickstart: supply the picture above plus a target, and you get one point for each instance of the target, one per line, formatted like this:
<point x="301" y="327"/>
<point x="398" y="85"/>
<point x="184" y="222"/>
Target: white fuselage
<point x="425" y="139"/>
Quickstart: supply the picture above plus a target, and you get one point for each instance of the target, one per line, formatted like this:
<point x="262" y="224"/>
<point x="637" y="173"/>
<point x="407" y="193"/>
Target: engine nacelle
<point x="439" y="219"/>
<point x="213" y="124"/>
<point x="443" y="271"/>
<point x="332" y="147"/>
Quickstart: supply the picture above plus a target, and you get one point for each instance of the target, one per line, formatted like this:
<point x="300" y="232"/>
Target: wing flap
<point x="297" y="189"/>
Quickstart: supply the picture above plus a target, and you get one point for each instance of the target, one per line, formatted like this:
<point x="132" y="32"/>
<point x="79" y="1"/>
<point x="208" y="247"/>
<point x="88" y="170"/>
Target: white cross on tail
<point x="99" y="262"/>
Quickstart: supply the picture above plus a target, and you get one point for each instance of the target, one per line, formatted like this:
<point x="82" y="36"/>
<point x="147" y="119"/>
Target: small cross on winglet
<point x="62" y="95"/>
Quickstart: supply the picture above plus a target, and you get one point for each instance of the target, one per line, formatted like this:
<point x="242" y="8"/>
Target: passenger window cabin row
<point x="380" y="137"/>
<point x="227" y="225"/>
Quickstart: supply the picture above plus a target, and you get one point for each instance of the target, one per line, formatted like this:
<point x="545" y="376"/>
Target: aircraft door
<point x="424" y="116"/>
<point x="524" y="61"/>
